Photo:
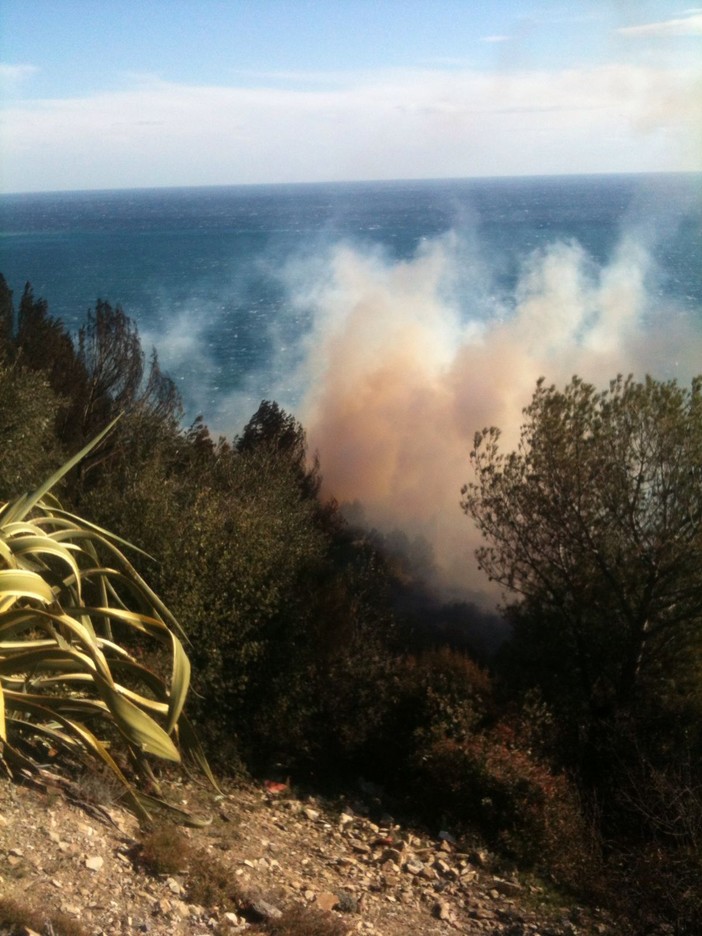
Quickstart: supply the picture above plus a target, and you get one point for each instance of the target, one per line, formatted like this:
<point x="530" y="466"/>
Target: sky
<point x="102" y="94"/>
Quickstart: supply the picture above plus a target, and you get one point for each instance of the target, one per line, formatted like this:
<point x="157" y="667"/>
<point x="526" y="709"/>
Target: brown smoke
<point x="400" y="379"/>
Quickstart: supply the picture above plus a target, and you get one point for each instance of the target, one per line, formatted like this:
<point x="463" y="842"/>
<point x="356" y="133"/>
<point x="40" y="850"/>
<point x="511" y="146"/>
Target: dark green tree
<point x="279" y="434"/>
<point x="43" y="344"/>
<point x="29" y="450"/>
<point x="594" y="523"/>
<point x="119" y="382"/>
<point x="6" y="318"/>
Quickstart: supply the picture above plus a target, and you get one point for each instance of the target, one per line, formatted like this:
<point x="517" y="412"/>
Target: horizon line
<point x="341" y="182"/>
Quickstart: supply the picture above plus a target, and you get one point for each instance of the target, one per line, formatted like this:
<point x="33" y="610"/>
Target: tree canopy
<point x="595" y="524"/>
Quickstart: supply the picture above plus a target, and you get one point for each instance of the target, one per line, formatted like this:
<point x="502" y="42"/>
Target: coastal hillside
<point x="270" y="861"/>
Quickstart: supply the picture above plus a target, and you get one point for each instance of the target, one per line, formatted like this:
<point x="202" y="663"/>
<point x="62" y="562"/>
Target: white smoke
<point x="400" y="370"/>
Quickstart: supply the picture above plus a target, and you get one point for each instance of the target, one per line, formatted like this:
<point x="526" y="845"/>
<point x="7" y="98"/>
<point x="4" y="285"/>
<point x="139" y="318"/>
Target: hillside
<point x="263" y="853"/>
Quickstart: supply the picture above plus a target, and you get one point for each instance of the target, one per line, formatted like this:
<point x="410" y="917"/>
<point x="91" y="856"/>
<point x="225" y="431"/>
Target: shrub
<point x="66" y="592"/>
<point x="494" y="786"/>
<point x="17" y="919"/>
<point x="165" y="850"/>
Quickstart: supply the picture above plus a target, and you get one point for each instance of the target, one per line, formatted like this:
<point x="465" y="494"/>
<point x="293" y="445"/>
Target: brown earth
<point x="70" y="853"/>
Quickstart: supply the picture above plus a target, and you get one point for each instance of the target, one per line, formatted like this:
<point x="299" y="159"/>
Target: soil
<point x="77" y="852"/>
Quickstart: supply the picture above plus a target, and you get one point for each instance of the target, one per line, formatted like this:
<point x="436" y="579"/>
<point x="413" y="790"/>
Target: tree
<point x="109" y="348"/>
<point x="43" y="344"/>
<point x="595" y="524"/>
<point x="117" y="381"/>
<point x="279" y="434"/>
<point x="28" y="445"/>
<point x="6" y="318"/>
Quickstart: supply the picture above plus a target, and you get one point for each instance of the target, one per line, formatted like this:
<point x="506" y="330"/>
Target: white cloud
<point x="684" y="26"/>
<point x="494" y="39"/>
<point x="13" y="74"/>
<point x="393" y="124"/>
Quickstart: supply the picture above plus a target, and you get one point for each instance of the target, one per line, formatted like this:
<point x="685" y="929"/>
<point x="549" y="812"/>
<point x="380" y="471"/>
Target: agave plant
<point x="66" y="683"/>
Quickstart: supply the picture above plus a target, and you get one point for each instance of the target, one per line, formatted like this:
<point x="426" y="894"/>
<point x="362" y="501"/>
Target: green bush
<point x="29" y="449"/>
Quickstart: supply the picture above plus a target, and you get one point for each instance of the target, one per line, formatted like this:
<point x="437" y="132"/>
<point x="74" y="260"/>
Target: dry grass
<point x="16" y="917"/>
<point x="165" y="850"/>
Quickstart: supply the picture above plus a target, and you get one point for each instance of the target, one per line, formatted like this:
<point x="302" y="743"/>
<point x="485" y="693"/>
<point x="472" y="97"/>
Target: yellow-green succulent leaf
<point x="138" y="728"/>
<point x="3" y="725"/>
<point x="191" y="747"/>
<point x="180" y="683"/>
<point x="16" y="584"/>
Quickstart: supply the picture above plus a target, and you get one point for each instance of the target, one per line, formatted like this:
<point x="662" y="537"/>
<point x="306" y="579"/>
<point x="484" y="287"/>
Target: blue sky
<point x="123" y="93"/>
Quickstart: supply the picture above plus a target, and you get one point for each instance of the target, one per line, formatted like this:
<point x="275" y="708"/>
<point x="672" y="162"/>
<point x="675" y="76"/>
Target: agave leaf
<point x="52" y="683"/>
<point x="60" y="737"/>
<point x="39" y="659"/>
<point x="190" y="743"/>
<point x="19" y="528"/>
<point x="144" y="623"/>
<point x="137" y="584"/>
<point x="98" y="748"/>
<point x="137" y="727"/>
<point x="21" y="583"/>
<point x="79" y="633"/>
<point x="54" y="706"/>
<point x="3" y="724"/>
<point x="6" y="556"/>
<point x="86" y="528"/>
<point x="182" y="814"/>
<point x="180" y="683"/>
<point x="44" y="545"/>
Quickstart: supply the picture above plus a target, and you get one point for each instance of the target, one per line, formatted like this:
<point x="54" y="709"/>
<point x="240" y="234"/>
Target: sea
<point x="207" y="273"/>
<point x="393" y="319"/>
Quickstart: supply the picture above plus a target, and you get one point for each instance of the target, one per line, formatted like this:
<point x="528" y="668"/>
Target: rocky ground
<point x="76" y="856"/>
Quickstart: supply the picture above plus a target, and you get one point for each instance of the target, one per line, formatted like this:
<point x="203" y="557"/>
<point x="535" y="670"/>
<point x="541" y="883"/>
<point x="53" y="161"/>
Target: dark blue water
<point x="210" y="260"/>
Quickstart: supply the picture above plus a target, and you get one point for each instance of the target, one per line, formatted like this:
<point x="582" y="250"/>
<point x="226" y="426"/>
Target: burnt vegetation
<point x="572" y="744"/>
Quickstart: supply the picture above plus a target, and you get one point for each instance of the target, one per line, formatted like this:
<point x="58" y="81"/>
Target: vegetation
<point x="65" y="589"/>
<point x="17" y="918"/>
<point x="575" y="751"/>
<point x="595" y="524"/>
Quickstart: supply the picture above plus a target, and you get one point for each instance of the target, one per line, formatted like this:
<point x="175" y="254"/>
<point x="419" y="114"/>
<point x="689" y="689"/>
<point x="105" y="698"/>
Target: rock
<point x="442" y="911"/>
<point x="260" y="910"/>
<point x="358" y="846"/>
<point x="182" y="909"/>
<point x="479" y="858"/>
<point x="173" y="886"/>
<point x="413" y="866"/>
<point x="506" y="888"/>
<point x="95" y="862"/>
<point x="327" y="901"/>
<point x="391" y="854"/>
<point x="311" y="814"/>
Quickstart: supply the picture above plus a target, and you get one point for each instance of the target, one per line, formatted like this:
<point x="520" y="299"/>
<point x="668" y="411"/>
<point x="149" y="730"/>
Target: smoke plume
<point x="405" y="360"/>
